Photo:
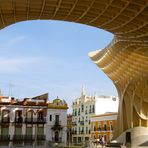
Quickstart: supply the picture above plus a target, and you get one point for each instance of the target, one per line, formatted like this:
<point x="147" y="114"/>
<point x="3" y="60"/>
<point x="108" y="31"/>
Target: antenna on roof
<point x="83" y="91"/>
<point x="0" y="92"/>
<point x="10" y="88"/>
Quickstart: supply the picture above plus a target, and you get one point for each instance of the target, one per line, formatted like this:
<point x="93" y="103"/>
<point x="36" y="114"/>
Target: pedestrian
<point x="102" y="141"/>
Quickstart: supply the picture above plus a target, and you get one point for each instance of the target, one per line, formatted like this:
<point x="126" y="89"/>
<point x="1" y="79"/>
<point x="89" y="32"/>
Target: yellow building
<point x="103" y="125"/>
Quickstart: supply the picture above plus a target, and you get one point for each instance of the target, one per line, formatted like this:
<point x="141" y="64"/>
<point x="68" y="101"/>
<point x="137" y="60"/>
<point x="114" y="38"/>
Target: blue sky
<point x="52" y="56"/>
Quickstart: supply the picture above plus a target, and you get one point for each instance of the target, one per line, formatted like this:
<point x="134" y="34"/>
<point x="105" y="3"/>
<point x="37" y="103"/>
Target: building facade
<point x="69" y="129"/>
<point x="27" y="121"/>
<point x="56" y="127"/>
<point x="84" y="108"/>
<point x="23" y="122"/>
<point x="103" y="125"/>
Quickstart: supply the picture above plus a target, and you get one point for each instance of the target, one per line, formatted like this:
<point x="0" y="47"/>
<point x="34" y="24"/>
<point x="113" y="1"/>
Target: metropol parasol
<point x="124" y="60"/>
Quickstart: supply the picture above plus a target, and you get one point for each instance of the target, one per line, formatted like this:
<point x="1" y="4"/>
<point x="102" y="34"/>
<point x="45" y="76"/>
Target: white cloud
<point x="11" y="42"/>
<point x="16" y="40"/>
<point x="15" y="64"/>
<point x="19" y="64"/>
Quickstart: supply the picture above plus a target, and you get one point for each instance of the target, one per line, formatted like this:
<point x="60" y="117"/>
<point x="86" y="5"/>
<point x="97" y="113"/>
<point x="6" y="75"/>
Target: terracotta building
<point x="32" y="121"/>
<point x="103" y="125"/>
<point x="22" y="121"/>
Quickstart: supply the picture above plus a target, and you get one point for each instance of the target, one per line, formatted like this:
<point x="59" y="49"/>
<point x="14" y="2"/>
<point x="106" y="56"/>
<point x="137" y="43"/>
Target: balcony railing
<point x="57" y="140"/>
<point x="5" y="120"/>
<point x="22" y="138"/>
<point x="19" y="120"/>
<point x="29" y="137"/>
<point x="18" y="138"/>
<point x="74" y="123"/>
<point x="35" y="120"/>
<point x="26" y="120"/>
<point x="74" y="132"/>
<point x="82" y="122"/>
<point x="89" y="122"/>
<point x="4" y="137"/>
<point x="41" y="137"/>
<point x="57" y="125"/>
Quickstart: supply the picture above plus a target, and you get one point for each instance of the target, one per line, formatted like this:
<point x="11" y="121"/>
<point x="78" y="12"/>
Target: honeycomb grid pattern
<point x="124" y="60"/>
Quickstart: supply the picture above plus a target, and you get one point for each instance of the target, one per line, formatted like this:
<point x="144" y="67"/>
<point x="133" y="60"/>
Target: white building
<point x="85" y="107"/>
<point x="32" y="121"/>
<point x="56" y="130"/>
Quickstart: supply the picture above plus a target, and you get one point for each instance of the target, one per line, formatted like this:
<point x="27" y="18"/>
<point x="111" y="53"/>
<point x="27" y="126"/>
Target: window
<point x="57" y="118"/>
<point x="82" y="107"/>
<point x="50" y="118"/>
<point x="86" y="119"/>
<point x="29" y="114"/>
<point x="94" y="128"/>
<point x="99" y="128"/>
<point x="86" y="110"/>
<point x="93" y="109"/>
<point x="76" y="112"/>
<point x="79" y="119"/>
<point x="82" y="131"/>
<point x="79" y="130"/>
<point x="18" y="116"/>
<point x="105" y="127"/>
<point x="86" y="130"/>
<point x="5" y="116"/>
<point x="90" y="109"/>
<point x="40" y="116"/>
<point x="79" y="112"/>
<point x="111" y="126"/>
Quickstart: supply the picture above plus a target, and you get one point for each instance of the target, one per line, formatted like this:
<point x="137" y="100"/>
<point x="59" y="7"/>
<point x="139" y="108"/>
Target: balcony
<point x="99" y="129"/>
<point x="57" y="125"/>
<point x="18" y="138"/>
<point x="41" y="137"/>
<point x="29" y="137"/>
<point x="59" y="140"/>
<point x="74" y="132"/>
<point x="35" y="120"/>
<point x="19" y="120"/>
<point x="4" y="138"/>
<point x="5" y="119"/>
<point x="82" y="122"/>
<point x="5" y="122"/>
<point x="74" y="123"/>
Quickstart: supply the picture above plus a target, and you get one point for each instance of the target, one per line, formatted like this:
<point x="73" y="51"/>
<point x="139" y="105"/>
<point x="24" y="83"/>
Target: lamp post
<point x="68" y="138"/>
<point x="35" y="134"/>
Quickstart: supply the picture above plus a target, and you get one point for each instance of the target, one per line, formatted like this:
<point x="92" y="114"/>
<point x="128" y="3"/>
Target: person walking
<point x="102" y="141"/>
